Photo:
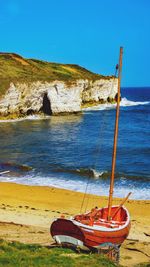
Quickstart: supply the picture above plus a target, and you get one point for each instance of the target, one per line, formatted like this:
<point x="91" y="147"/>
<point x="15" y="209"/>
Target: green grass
<point x="20" y="255"/>
<point x="14" y="68"/>
<point x="15" y="254"/>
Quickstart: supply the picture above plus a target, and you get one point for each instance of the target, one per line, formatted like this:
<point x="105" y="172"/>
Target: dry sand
<point x="26" y="213"/>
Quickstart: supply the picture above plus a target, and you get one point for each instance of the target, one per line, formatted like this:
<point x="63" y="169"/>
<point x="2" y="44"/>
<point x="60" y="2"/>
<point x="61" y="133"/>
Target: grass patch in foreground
<point x="16" y="254"/>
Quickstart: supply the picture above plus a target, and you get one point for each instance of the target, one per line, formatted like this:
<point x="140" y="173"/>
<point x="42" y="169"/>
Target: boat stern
<point x="64" y="231"/>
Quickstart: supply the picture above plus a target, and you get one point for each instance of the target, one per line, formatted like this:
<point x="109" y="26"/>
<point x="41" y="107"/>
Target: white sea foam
<point x="96" y="187"/>
<point x="97" y="174"/>
<point x="30" y="117"/>
<point x="100" y="107"/>
<point x="124" y="103"/>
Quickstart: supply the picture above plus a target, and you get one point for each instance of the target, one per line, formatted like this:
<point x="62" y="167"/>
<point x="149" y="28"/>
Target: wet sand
<point x="26" y="213"/>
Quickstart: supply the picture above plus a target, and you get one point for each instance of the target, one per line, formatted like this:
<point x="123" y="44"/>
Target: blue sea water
<point x="74" y="152"/>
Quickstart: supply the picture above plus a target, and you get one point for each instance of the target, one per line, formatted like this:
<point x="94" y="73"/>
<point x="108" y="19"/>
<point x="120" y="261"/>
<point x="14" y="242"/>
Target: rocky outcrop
<point x="55" y="97"/>
<point x="100" y="91"/>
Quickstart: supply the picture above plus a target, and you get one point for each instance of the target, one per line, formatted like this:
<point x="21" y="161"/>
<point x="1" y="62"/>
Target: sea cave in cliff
<point x="46" y="108"/>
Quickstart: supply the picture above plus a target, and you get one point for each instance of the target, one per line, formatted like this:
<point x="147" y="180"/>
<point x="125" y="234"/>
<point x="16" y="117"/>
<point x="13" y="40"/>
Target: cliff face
<point x="30" y="86"/>
<point x="102" y="90"/>
<point x="55" y="97"/>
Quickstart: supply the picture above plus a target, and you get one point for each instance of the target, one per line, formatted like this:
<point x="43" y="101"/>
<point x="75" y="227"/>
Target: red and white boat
<point x="101" y="227"/>
<point x="92" y="230"/>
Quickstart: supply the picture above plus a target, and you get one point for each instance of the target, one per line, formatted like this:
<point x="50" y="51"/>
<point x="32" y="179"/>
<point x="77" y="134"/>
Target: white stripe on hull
<point x="74" y="241"/>
<point x="68" y="239"/>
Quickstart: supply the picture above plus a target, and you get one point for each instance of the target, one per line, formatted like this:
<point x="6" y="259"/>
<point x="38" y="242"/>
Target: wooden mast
<point x="115" y="137"/>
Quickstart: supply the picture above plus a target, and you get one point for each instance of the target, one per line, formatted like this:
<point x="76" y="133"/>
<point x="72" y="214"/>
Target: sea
<point x="75" y="151"/>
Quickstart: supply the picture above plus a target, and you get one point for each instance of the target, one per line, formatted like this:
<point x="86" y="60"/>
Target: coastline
<point x="27" y="212"/>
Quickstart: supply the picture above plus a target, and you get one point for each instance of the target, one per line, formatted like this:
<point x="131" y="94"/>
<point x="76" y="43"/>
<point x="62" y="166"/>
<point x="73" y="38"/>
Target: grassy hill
<point x="15" y="68"/>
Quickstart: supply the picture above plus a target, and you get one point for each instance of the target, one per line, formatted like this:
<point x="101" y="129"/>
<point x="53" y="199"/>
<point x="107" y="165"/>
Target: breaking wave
<point x="124" y="103"/>
<point x="9" y="169"/>
<point x="83" y="172"/>
<point x="96" y="174"/>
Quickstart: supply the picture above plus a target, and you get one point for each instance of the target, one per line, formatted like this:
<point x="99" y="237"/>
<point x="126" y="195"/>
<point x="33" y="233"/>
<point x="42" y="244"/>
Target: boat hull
<point x="67" y="231"/>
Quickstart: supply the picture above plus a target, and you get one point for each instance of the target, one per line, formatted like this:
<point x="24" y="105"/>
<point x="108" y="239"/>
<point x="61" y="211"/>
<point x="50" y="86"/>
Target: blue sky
<point x="84" y="32"/>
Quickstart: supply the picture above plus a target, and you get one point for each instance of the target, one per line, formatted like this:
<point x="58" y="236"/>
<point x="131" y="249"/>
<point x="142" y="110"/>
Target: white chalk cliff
<point x="55" y="97"/>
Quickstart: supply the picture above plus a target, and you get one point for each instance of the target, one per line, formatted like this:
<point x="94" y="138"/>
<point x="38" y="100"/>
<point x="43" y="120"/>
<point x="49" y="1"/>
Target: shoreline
<point x="89" y="106"/>
<point x="27" y="212"/>
<point x="72" y="190"/>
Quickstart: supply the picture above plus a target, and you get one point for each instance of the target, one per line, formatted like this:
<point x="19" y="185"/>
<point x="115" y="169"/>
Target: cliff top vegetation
<point x="14" y="68"/>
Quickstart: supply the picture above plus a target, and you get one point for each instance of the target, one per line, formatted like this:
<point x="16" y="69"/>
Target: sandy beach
<point x="26" y="213"/>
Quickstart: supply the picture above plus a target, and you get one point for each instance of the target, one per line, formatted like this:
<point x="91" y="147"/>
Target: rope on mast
<point x="103" y="124"/>
<point x="115" y="138"/>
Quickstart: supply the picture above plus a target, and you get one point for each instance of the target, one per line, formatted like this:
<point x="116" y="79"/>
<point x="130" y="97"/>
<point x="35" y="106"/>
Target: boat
<point x="101" y="227"/>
